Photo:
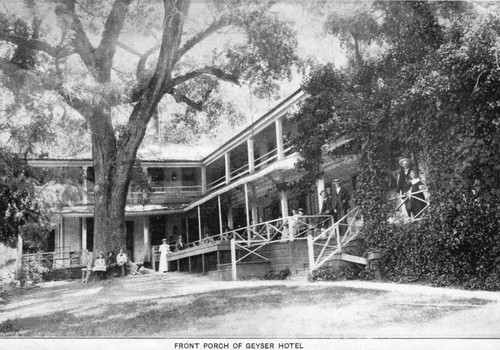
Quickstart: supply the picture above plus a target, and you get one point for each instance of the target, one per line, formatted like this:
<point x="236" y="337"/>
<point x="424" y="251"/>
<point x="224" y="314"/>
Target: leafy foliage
<point x="19" y="209"/>
<point x="432" y="94"/>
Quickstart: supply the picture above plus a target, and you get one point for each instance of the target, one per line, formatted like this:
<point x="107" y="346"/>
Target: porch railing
<point x="221" y="181"/>
<point x="60" y="259"/>
<point x="404" y="197"/>
<point x="333" y="238"/>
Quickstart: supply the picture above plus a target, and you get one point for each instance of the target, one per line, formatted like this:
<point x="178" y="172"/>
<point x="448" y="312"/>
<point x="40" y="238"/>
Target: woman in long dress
<point x="164" y="249"/>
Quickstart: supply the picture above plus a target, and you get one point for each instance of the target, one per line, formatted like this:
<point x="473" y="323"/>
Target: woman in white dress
<point x="164" y="249"/>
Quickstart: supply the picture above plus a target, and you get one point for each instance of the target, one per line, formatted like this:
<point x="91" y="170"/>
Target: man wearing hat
<point x="340" y="202"/>
<point x="404" y="180"/>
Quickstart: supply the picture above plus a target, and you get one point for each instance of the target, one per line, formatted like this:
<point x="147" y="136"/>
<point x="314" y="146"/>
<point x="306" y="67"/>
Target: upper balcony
<point x="263" y="143"/>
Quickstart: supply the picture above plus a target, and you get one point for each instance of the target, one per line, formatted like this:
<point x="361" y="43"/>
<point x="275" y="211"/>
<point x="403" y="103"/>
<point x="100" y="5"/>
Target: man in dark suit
<point x="326" y="203"/>
<point x="340" y="203"/>
<point x="404" y="183"/>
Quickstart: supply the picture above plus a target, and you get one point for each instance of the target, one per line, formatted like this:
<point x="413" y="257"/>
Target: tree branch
<point x="217" y="72"/>
<point x="141" y="66"/>
<point x="128" y="49"/>
<point x="183" y="98"/>
<point x="81" y="43"/>
<point x="34" y="44"/>
<point x="112" y="29"/>
<point x="197" y="38"/>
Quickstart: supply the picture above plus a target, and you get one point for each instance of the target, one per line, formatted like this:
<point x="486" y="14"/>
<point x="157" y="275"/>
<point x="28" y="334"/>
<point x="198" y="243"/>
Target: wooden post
<point x="203" y="264"/>
<point x="233" y="260"/>
<point x="153" y="257"/>
<point x="187" y="230"/>
<point x="218" y="257"/>
<point x="19" y="258"/>
<point x="227" y="159"/>
<point x="310" y="250"/>
<point x="178" y="265"/>
<point x="284" y="204"/>
<point x="147" y="240"/>
<point x="320" y="185"/>
<point x="189" y="263"/>
<point x="203" y="179"/>
<point x="247" y="212"/>
<point x="251" y="157"/>
<point x="199" y="223"/>
<point x="230" y="217"/>
<point x="220" y="215"/>
<point x="85" y="199"/>
<point x="84" y="233"/>
<point x="279" y="138"/>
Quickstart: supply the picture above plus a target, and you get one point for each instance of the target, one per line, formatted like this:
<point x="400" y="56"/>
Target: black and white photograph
<point x="249" y="174"/>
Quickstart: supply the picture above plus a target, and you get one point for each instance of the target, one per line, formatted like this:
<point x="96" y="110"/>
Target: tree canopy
<point x="431" y="92"/>
<point x="113" y="63"/>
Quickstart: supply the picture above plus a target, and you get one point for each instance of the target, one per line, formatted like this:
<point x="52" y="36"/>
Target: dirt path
<point x="355" y="309"/>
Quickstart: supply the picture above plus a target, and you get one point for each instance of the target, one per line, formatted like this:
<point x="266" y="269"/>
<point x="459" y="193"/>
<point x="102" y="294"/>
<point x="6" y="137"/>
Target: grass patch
<point x="149" y="317"/>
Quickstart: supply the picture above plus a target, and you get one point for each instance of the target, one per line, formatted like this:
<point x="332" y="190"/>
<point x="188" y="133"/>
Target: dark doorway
<point x="157" y="227"/>
<point x="90" y="233"/>
<point x="130" y="239"/>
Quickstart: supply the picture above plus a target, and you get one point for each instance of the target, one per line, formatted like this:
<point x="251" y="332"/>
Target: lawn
<point x="172" y="308"/>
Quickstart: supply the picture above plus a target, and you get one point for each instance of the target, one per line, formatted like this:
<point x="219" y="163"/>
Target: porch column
<point x="220" y="214"/>
<point x="251" y="160"/>
<point x="85" y="198"/>
<point x="84" y="233"/>
<point x="320" y="185"/>
<point x="284" y="204"/>
<point x="247" y="211"/>
<point x="187" y="230"/>
<point x="230" y="217"/>
<point x="147" y="239"/>
<point x="227" y="159"/>
<point x="279" y="138"/>
<point x="203" y="179"/>
<point x="199" y="222"/>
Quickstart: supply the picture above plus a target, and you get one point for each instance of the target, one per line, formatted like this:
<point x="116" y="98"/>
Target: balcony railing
<point x="221" y="181"/>
<point x="160" y="195"/>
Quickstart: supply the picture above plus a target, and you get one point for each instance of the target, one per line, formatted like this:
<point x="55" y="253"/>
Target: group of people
<point x="103" y="267"/>
<point x="410" y="187"/>
<point x="165" y="248"/>
<point x="335" y="200"/>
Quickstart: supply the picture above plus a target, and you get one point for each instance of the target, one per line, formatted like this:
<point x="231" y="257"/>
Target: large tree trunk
<point x="112" y="178"/>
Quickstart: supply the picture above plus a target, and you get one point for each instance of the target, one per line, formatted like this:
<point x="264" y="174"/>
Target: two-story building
<point x="195" y="191"/>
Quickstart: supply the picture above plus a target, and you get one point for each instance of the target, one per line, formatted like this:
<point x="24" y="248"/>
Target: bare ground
<point x="187" y="306"/>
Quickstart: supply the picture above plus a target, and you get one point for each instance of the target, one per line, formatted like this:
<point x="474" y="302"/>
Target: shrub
<point x="278" y="275"/>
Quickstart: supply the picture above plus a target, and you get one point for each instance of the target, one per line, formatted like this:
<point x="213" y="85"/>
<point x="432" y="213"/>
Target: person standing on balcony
<point x="404" y="182"/>
<point x="340" y="204"/>
<point x="164" y="250"/>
